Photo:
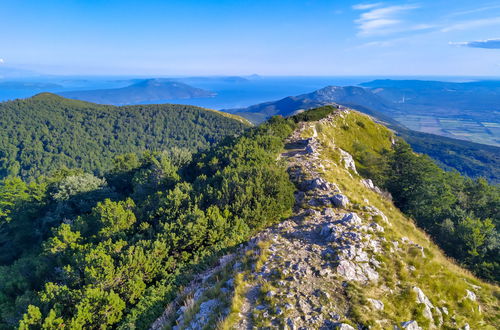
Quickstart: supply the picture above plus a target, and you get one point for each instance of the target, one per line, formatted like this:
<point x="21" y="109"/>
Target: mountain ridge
<point x="85" y="135"/>
<point x="345" y="259"/>
<point x="469" y="158"/>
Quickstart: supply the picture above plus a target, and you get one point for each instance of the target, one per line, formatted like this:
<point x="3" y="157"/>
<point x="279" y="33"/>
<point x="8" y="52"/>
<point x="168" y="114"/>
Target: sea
<point x="231" y="92"/>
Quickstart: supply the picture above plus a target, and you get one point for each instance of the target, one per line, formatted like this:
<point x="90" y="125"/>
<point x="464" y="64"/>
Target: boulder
<point x="348" y="161"/>
<point x="317" y="183"/>
<point x="351" y="219"/>
<point x="422" y="299"/>
<point x="340" y="200"/>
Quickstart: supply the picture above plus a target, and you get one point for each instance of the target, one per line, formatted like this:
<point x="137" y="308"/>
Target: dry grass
<point x="443" y="281"/>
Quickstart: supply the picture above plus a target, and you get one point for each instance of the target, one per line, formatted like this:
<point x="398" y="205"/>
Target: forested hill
<point x="256" y="232"/>
<point x="47" y="132"/>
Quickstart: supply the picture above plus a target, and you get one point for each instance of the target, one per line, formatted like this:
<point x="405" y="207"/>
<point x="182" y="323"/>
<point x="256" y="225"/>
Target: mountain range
<point x="469" y="158"/>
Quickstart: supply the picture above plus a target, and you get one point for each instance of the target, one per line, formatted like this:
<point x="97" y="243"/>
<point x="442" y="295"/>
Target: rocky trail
<point x="302" y="268"/>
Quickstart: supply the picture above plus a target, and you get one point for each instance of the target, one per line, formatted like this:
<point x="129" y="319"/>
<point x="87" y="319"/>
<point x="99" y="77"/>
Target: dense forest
<point x="84" y="251"/>
<point x="46" y="132"/>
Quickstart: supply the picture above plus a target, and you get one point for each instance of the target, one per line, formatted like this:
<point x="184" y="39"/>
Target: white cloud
<point x="487" y="44"/>
<point x="366" y="6"/>
<point x="2" y="61"/>
<point x="382" y="20"/>
<point x="472" y="24"/>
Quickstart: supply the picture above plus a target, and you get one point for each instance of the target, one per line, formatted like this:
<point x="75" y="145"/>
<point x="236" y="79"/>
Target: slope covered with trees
<point x="46" y="132"/>
<point x="82" y="251"/>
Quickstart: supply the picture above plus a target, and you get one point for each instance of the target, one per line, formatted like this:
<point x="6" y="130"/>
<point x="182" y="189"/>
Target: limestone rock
<point x="348" y="161"/>
<point x="470" y="295"/>
<point x="422" y="299"/>
<point x="351" y="219"/>
<point x="410" y="325"/>
<point x="377" y="304"/>
<point x="343" y="326"/>
<point x="204" y="314"/>
<point x="340" y="200"/>
<point x="368" y="183"/>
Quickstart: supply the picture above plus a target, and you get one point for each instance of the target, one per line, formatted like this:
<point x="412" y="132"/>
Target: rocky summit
<point x="346" y="259"/>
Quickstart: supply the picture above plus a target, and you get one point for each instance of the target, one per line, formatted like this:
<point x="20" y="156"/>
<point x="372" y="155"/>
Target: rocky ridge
<point x="300" y="274"/>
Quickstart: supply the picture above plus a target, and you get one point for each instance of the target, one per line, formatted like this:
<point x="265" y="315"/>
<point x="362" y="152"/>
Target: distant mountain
<point x="144" y="91"/>
<point x="28" y="85"/>
<point x="473" y="99"/>
<point x="328" y="95"/>
<point x="468" y="158"/>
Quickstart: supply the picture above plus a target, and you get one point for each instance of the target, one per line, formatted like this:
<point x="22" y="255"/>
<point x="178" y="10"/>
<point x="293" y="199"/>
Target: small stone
<point x="271" y="294"/>
<point x="410" y="325"/>
<point x="377" y="227"/>
<point x="328" y="212"/>
<point x="470" y="295"/>
<point x="377" y="304"/>
<point x="343" y="326"/>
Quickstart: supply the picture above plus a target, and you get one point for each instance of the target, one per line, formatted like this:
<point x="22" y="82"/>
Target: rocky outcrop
<point x="428" y="307"/>
<point x="348" y="161"/>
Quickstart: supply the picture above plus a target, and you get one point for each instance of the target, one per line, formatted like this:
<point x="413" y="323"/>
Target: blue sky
<point x="315" y="37"/>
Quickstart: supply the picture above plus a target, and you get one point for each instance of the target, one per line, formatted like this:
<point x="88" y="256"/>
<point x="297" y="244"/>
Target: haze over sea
<point x="231" y="92"/>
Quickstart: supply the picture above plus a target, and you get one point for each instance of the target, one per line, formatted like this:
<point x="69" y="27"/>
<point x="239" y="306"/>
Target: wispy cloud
<point x="472" y="24"/>
<point x="379" y="20"/>
<point x="2" y="61"/>
<point x="366" y="6"/>
<point x="474" y="11"/>
<point x="488" y="44"/>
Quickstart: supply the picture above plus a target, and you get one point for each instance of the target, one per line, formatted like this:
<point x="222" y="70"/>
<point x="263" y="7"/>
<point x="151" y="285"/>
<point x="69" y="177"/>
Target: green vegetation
<point x="437" y="275"/>
<point x="313" y="115"/>
<point x="462" y="215"/>
<point x="79" y="251"/>
<point x="45" y="132"/>
<point x="470" y="159"/>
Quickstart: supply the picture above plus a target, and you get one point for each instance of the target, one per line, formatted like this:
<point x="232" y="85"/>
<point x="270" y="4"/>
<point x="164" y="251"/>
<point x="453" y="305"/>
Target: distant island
<point x="29" y="85"/>
<point x="144" y="91"/>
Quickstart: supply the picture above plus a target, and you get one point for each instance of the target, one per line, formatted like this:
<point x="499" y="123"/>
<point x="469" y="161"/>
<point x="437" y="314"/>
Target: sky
<point x="240" y="37"/>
